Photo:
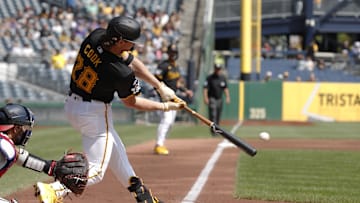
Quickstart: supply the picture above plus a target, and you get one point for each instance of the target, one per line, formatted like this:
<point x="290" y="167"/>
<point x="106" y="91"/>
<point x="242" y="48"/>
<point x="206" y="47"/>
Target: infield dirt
<point x="171" y="177"/>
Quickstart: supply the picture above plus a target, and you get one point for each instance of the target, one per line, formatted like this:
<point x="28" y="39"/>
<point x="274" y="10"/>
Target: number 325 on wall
<point x="257" y="113"/>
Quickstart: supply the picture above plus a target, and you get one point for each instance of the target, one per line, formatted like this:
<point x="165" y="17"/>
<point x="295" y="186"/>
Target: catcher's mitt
<point x="72" y="171"/>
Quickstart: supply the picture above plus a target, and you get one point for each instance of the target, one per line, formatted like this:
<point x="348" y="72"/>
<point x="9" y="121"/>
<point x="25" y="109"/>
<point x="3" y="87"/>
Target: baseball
<point x="264" y="136"/>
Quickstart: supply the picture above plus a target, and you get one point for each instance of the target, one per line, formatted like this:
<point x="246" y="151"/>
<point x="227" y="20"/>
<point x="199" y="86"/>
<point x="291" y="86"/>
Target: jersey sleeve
<point x="123" y="80"/>
<point x="225" y="82"/>
<point x="128" y="86"/>
<point x="129" y="59"/>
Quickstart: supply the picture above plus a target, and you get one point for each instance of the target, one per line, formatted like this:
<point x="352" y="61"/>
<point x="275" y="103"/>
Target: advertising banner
<point x="306" y="101"/>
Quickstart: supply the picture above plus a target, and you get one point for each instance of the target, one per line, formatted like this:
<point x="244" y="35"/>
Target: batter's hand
<point x="173" y="105"/>
<point x="166" y="93"/>
<point x="178" y="100"/>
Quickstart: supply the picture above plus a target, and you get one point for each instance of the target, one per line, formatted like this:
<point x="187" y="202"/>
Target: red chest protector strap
<point x="7" y="153"/>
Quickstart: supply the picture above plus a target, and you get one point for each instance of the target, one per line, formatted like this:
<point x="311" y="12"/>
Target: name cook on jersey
<point x="92" y="55"/>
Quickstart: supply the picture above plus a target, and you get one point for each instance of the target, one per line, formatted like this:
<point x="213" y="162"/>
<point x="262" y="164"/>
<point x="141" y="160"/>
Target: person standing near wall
<point x="214" y="87"/>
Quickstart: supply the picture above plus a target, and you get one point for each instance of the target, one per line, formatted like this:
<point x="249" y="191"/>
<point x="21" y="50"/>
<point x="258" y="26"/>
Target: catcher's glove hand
<point x="72" y="171"/>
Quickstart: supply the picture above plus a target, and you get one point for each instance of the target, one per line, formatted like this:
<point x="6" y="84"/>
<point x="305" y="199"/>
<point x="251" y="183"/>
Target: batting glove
<point x="178" y="100"/>
<point x="173" y="105"/>
<point x="165" y="92"/>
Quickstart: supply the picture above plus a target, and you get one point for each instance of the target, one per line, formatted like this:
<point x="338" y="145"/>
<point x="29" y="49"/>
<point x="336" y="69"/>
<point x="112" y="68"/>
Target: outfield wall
<point x="52" y="113"/>
<point x="294" y="101"/>
<point x="263" y="101"/>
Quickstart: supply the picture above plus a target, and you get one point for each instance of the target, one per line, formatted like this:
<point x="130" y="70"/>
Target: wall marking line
<point x="313" y="116"/>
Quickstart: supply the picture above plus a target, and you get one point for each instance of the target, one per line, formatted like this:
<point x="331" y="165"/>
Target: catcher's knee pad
<point x="141" y="193"/>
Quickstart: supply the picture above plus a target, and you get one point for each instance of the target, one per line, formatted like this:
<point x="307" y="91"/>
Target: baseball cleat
<point x="141" y="193"/>
<point x="46" y="193"/>
<point x="161" y="150"/>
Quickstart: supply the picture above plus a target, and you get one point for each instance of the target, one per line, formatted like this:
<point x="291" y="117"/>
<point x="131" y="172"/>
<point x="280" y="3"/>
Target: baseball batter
<point x="169" y="73"/>
<point x="16" y="123"/>
<point x="104" y="67"/>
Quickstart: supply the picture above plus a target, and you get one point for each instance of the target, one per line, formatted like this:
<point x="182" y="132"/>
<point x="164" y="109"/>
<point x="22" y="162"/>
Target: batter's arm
<point x="141" y="71"/>
<point x="144" y="104"/>
<point x="140" y="103"/>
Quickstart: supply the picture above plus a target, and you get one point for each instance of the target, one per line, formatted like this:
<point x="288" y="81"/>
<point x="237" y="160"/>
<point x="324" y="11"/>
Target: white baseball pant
<point x="100" y="141"/>
<point x="167" y="119"/>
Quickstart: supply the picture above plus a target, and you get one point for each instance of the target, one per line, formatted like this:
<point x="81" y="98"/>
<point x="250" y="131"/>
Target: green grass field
<point x="320" y="176"/>
<point x="300" y="176"/>
<point x="282" y="175"/>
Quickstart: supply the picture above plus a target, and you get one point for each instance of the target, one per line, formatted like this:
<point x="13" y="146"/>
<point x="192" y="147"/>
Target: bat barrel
<point x="232" y="138"/>
<point x="237" y="141"/>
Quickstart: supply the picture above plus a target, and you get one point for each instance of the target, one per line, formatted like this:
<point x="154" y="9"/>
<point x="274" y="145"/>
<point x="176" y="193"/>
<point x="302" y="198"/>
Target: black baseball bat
<point x="217" y="129"/>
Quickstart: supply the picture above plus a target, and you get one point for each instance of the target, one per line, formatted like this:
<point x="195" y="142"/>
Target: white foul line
<point x="193" y="194"/>
<point x="200" y="182"/>
<point x="236" y="127"/>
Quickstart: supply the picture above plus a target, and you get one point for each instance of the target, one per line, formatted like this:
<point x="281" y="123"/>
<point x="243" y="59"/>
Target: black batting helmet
<point x="123" y="27"/>
<point x="173" y="51"/>
<point x="172" y="48"/>
<point x="16" y="114"/>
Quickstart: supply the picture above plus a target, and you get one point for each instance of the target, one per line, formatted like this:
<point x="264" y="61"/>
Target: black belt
<point x="83" y="98"/>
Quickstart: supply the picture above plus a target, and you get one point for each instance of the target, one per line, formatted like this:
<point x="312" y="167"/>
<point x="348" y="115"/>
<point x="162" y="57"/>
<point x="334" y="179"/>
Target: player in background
<point x="16" y="124"/>
<point x="104" y="67"/>
<point x="168" y="72"/>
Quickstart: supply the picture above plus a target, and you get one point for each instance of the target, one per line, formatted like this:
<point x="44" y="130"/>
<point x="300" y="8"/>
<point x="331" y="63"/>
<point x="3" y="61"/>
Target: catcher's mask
<point x="123" y="28"/>
<point x="16" y="114"/>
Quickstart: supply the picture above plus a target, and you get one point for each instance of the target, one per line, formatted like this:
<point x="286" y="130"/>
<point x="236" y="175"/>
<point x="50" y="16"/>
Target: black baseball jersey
<point x="168" y="74"/>
<point x="215" y="85"/>
<point x="97" y="74"/>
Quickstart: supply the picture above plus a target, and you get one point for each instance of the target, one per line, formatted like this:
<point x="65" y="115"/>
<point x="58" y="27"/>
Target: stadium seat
<point x="279" y="66"/>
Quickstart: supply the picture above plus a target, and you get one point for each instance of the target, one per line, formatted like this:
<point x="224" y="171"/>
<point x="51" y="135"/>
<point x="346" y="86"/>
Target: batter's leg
<point x="93" y="120"/>
<point x="119" y="162"/>
<point x="122" y="169"/>
<point x="98" y="151"/>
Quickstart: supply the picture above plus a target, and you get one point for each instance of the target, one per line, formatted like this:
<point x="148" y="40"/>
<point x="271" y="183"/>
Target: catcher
<point x="16" y="124"/>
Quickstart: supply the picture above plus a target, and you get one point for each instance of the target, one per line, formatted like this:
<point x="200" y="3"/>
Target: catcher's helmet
<point x="16" y="114"/>
<point x="123" y="27"/>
